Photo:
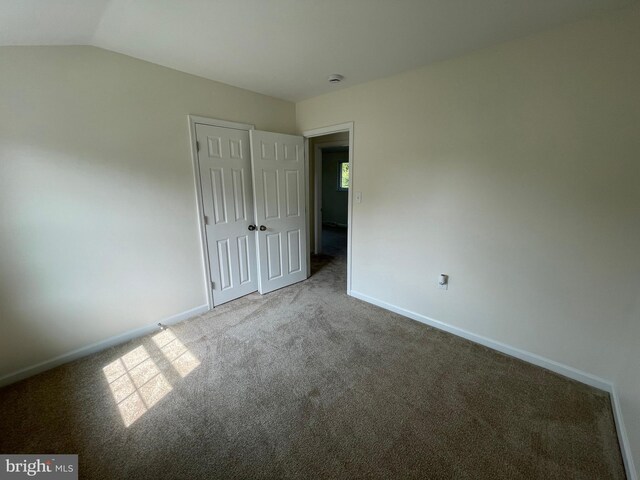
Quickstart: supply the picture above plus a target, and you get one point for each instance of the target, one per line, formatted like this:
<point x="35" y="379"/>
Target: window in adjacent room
<point x="343" y="175"/>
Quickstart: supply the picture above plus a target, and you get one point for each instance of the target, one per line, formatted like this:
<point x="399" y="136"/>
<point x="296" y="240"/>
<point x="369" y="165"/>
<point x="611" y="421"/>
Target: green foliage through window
<point x="343" y="175"/>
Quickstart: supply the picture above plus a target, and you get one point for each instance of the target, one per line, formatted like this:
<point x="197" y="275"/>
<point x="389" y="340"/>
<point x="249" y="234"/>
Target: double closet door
<point x="253" y="194"/>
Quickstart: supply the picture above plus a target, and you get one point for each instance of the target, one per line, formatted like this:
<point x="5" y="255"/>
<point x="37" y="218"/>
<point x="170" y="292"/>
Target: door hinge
<point x="197" y="146"/>
<point x="206" y="220"/>
<point x="213" y="285"/>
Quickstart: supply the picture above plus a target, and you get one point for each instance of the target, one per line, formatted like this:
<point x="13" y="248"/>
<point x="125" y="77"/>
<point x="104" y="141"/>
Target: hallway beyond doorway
<point x="334" y="241"/>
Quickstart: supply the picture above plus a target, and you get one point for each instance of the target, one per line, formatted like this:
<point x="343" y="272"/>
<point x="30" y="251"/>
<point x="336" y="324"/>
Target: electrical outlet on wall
<point x="443" y="281"/>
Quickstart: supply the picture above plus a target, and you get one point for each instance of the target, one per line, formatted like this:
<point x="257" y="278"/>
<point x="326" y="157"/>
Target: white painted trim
<point x="552" y="365"/>
<point x="317" y="187"/>
<point x="565" y="370"/>
<point x="214" y="122"/>
<point x="307" y="206"/>
<point x="96" y="347"/>
<point x="317" y="132"/>
<point x="625" y="447"/>
<point x="193" y="120"/>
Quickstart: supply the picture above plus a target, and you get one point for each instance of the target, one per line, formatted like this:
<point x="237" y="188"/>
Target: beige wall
<point x="99" y="233"/>
<point x="516" y="170"/>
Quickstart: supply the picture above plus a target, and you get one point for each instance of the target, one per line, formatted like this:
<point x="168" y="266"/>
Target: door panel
<point x="274" y="255"/>
<point x="227" y="195"/>
<point x="224" y="264"/>
<point x="217" y="187"/>
<point x="239" y="193"/>
<point x="271" y="188"/>
<point x="243" y="259"/>
<point x="279" y="196"/>
<point x="293" y="196"/>
<point x="295" y="251"/>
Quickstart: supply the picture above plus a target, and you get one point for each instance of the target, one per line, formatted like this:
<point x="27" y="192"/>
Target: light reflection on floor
<point x="174" y="351"/>
<point x="137" y="381"/>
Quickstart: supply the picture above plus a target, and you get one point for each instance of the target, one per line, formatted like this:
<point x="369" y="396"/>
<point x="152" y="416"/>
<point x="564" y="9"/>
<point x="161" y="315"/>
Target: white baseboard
<point x="625" y="448"/>
<point x="96" y="347"/>
<point x="528" y="357"/>
<point x="554" y="366"/>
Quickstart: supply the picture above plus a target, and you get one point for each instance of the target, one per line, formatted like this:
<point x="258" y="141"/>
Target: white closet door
<point x="225" y="175"/>
<point x="280" y="211"/>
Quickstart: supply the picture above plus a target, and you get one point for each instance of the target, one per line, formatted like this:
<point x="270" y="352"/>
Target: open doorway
<point x="332" y="207"/>
<point x="330" y="154"/>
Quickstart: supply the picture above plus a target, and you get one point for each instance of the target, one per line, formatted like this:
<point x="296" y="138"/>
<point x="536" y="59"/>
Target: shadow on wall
<point x="87" y="241"/>
<point x="17" y="325"/>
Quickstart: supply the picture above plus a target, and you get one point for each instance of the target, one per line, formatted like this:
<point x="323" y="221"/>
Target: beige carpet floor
<point x="307" y="382"/>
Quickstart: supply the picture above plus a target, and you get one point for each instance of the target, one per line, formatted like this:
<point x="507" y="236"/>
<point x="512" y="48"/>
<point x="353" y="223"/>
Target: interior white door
<point x="225" y="175"/>
<point x="280" y="208"/>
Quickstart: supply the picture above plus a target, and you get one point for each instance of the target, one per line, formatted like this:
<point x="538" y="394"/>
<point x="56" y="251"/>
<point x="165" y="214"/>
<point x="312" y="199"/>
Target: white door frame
<point x="193" y="120"/>
<point x="317" y="132"/>
<point x="317" y="217"/>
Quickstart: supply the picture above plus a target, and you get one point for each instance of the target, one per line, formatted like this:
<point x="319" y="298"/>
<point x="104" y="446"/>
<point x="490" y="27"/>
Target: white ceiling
<point x="287" y="48"/>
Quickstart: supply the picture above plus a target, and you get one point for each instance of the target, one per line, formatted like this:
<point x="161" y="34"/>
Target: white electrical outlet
<point x="443" y="281"/>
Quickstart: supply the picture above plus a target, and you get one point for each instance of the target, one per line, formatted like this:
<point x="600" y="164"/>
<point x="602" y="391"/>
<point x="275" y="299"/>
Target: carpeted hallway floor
<point x="309" y="383"/>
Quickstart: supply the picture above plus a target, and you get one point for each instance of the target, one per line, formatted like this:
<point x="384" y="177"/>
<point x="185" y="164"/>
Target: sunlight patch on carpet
<point x="174" y="350"/>
<point x="137" y="381"/>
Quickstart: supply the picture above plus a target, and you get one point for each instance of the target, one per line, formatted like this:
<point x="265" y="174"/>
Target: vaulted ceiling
<point x="287" y="48"/>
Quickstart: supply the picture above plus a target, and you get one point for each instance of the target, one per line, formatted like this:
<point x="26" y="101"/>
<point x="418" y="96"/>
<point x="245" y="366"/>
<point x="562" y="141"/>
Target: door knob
<point x="252" y="228"/>
<point x="262" y="228"/>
